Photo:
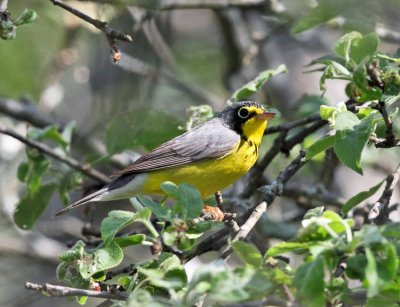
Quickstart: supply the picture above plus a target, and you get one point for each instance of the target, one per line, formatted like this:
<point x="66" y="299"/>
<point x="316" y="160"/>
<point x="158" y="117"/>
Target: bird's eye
<point x="243" y="113"/>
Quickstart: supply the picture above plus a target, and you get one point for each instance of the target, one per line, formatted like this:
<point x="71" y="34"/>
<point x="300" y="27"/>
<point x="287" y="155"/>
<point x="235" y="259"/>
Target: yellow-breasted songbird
<point x="211" y="156"/>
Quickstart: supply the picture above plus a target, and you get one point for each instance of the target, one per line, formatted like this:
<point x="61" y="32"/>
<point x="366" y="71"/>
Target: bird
<point x="211" y="156"/>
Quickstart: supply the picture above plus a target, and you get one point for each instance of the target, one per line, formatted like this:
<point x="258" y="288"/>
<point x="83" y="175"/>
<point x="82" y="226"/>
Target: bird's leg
<point x="216" y="212"/>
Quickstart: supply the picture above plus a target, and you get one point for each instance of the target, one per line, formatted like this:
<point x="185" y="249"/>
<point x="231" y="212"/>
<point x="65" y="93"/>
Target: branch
<point x="218" y="239"/>
<point x="307" y="196"/>
<point x="61" y="291"/>
<point x="280" y="144"/>
<point x="3" y="5"/>
<point x="384" y="143"/>
<point x="379" y="213"/>
<point x="85" y="169"/>
<point x="27" y="112"/>
<point x="276" y="187"/>
<point x="245" y="228"/>
<point x="290" y="125"/>
<point x="111" y="34"/>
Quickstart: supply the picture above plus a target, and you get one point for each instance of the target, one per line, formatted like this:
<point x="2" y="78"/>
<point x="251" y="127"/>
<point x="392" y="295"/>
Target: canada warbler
<point x="211" y="156"/>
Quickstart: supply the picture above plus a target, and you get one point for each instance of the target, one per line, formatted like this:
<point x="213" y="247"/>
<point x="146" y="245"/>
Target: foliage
<point x="333" y="250"/>
<point x="8" y="26"/>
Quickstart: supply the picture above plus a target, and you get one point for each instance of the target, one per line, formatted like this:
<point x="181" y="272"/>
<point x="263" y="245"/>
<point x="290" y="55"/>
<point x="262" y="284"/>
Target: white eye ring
<point x="243" y="113"/>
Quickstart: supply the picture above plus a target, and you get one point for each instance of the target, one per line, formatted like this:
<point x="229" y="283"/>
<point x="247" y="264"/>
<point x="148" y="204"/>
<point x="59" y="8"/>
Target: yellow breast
<point x="212" y="175"/>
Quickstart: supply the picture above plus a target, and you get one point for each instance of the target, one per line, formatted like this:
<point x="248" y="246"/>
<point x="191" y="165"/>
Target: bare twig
<point x="219" y="200"/>
<point x="388" y="122"/>
<point x="27" y="112"/>
<point x="379" y="213"/>
<point x="110" y="33"/>
<point x="276" y="187"/>
<point x="246" y="228"/>
<point x="3" y="5"/>
<point x="60" y="291"/>
<point x="85" y="169"/>
<point x="290" y="125"/>
<point x="280" y="144"/>
<point x="384" y="143"/>
<point x="101" y="25"/>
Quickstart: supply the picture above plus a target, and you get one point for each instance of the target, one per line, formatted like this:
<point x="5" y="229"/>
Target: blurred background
<point x="60" y="69"/>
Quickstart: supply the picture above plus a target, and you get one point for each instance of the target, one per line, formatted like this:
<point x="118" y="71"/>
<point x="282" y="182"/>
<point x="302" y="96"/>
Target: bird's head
<point x="247" y="118"/>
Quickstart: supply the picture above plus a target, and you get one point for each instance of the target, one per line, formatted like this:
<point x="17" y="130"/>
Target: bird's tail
<point x="90" y="197"/>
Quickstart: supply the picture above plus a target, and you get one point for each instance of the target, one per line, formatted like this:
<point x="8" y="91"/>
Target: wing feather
<point x="210" y="140"/>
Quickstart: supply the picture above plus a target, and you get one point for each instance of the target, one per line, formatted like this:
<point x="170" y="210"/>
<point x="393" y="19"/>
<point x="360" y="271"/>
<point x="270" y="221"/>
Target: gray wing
<point x="209" y="140"/>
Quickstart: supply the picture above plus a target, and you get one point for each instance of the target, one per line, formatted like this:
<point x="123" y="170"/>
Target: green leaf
<point x="67" y="272"/>
<point x="320" y="146"/>
<point x="364" y="47"/>
<point x="309" y="282"/>
<point x="47" y="133"/>
<point x="355" y="200"/>
<point x="170" y="188"/>
<point x="357" y="47"/>
<point x="100" y="259"/>
<point x="67" y="133"/>
<point x="248" y="253"/>
<point x="31" y="207"/>
<point x="137" y="129"/>
<point x="115" y="221"/>
<point x="253" y="86"/>
<point x="163" y="213"/>
<point x="27" y="17"/>
<point x="356" y="265"/>
<point x="314" y="212"/>
<point x="351" y="136"/>
<point x="342" y="46"/>
<point x="190" y="201"/>
<point x="125" y="241"/>
<point x="143" y="216"/>
<point x="286" y="247"/>
<point x="75" y="253"/>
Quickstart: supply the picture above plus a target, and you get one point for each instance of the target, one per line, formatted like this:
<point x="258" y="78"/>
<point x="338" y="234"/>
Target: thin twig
<point x="3" y="5"/>
<point x="245" y="228"/>
<point x="60" y="291"/>
<point x="110" y="33"/>
<point x="384" y="143"/>
<point x="309" y="196"/>
<point x="275" y="188"/>
<point x="280" y="145"/>
<point x="388" y="122"/>
<point x="27" y="112"/>
<point x="379" y="213"/>
<point x="85" y="169"/>
<point x="101" y="25"/>
<point x="290" y="125"/>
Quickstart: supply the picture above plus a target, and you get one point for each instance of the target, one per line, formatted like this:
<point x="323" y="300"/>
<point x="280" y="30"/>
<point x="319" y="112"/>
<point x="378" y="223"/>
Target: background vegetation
<point x="81" y="99"/>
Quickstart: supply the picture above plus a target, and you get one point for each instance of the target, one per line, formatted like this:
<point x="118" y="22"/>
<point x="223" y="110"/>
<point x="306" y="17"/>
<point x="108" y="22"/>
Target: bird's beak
<point x="265" y="115"/>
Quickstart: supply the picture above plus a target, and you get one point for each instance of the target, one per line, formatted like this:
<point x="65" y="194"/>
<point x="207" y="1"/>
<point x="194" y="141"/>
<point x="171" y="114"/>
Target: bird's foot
<point x="216" y="213"/>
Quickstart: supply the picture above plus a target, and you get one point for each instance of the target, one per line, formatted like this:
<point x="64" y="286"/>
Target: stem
<point x="43" y="148"/>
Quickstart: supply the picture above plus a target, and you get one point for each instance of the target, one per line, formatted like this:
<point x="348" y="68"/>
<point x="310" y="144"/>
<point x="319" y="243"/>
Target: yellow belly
<point x="208" y="176"/>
